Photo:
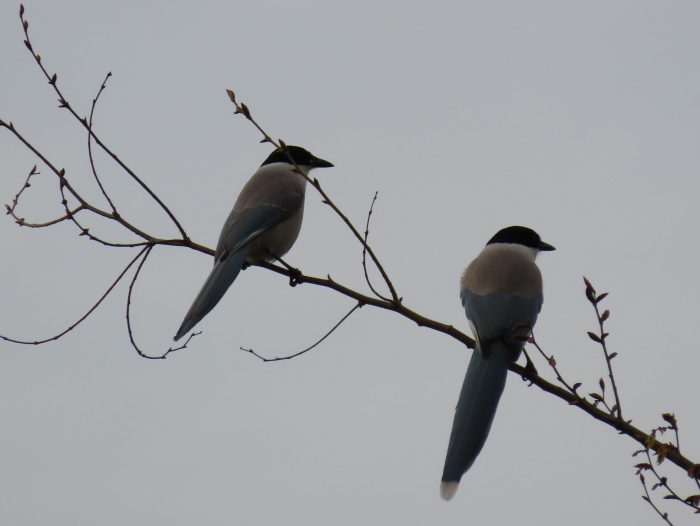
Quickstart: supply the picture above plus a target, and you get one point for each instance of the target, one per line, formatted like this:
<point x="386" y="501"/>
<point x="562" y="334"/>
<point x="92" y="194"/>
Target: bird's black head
<point x="520" y="235"/>
<point x="300" y="155"/>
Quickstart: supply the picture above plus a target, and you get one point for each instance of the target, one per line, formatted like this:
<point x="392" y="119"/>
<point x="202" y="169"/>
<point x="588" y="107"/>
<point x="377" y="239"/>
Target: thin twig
<point x="84" y="204"/>
<point x="245" y="111"/>
<point x="89" y="143"/>
<point x="553" y="364"/>
<point x="147" y="252"/>
<point x="647" y="497"/>
<point x="11" y="209"/>
<point x="15" y="200"/>
<point x="326" y="335"/>
<point x="594" y="298"/>
<point x="63" y="103"/>
<point x="364" y="250"/>
<point x="692" y="501"/>
<point x="663" y="482"/>
<point x="84" y="317"/>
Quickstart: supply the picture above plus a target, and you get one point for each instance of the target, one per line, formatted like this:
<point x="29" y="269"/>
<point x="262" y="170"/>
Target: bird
<point x="501" y="292"/>
<point x="263" y="225"/>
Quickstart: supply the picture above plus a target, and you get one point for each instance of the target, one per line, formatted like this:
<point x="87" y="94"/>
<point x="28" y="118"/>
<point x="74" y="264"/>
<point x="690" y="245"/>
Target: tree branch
<point x="63" y="103"/>
<point x="85" y="316"/>
<point x="147" y="242"/>
<point x="307" y="349"/>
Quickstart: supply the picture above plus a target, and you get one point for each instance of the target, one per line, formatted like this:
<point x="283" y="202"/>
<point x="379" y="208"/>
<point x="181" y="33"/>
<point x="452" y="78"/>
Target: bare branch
<point x="147" y="241"/>
<point x="647" y="498"/>
<point x="600" y="338"/>
<point x="662" y="451"/>
<point x="63" y="103"/>
<point x="64" y="184"/>
<point x="307" y="349"/>
<point x="89" y="143"/>
<point x="245" y="111"/>
<point x="147" y="252"/>
<point x="553" y="364"/>
<point x="364" y="250"/>
<point x="85" y="316"/>
<point x="11" y="209"/>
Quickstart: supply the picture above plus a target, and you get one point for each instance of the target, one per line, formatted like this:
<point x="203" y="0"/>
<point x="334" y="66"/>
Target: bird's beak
<point x="545" y="247"/>
<point x="321" y="163"/>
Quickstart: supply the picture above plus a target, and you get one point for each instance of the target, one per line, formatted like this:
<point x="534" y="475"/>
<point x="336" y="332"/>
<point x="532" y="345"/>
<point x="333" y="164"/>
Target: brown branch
<point x="89" y="143"/>
<point x="600" y="338"/>
<point x="622" y="426"/>
<point x="394" y="304"/>
<point x="663" y="482"/>
<point x="146" y="252"/>
<point x="395" y="298"/>
<point x="647" y="497"/>
<point x="63" y="103"/>
<point x="245" y="111"/>
<point x="364" y="250"/>
<point x="400" y="308"/>
<point x="85" y="316"/>
<point x="11" y="209"/>
<point x="553" y="364"/>
<point x="692" y="501"/>
<point x="310" y="347"/>
<point x="64" y="184"/>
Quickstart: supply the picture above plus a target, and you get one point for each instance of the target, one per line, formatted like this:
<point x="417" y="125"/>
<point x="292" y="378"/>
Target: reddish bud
<point x="594" y="337"/>
<point x="693" y="500"/>
<point x="596" y="397"/>
<point x="671" y="419"/>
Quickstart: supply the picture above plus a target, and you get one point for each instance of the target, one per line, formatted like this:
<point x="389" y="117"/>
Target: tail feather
<point x="478" y="400"/>
<point x="222" y="275"/>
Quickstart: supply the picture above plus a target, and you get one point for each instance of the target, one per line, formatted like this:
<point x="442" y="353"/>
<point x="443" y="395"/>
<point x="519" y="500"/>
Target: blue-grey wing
<point x="501" y="316"/>
<point x="243" y="226"/>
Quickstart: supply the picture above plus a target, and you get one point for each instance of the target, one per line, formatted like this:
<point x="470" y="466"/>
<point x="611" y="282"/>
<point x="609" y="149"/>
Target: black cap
<point x="520" y="235"/>
<point x="300" y="155"/>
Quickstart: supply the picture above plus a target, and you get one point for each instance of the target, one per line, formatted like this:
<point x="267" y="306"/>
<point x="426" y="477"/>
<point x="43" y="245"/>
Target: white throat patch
<point x="528" y="251"/>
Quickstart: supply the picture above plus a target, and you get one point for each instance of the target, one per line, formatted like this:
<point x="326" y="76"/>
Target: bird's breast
<point x="500" y="269"/>
<point x="278" y="240"/>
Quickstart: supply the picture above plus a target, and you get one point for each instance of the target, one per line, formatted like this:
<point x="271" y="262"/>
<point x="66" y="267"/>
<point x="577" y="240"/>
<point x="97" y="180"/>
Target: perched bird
<point x="263" y="225"/>
<point x="501" y="292"/>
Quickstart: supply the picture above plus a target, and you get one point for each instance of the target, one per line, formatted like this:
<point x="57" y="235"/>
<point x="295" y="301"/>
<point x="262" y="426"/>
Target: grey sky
<point x="580" y="120"/>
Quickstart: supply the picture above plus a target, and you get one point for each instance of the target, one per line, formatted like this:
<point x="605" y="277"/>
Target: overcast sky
<point x="580" y="120"/>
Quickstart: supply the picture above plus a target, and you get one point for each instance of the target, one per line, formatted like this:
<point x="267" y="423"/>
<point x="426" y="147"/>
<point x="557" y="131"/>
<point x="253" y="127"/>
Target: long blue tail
<point x="222" y="275"/>
<point x="478" y="400"/>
